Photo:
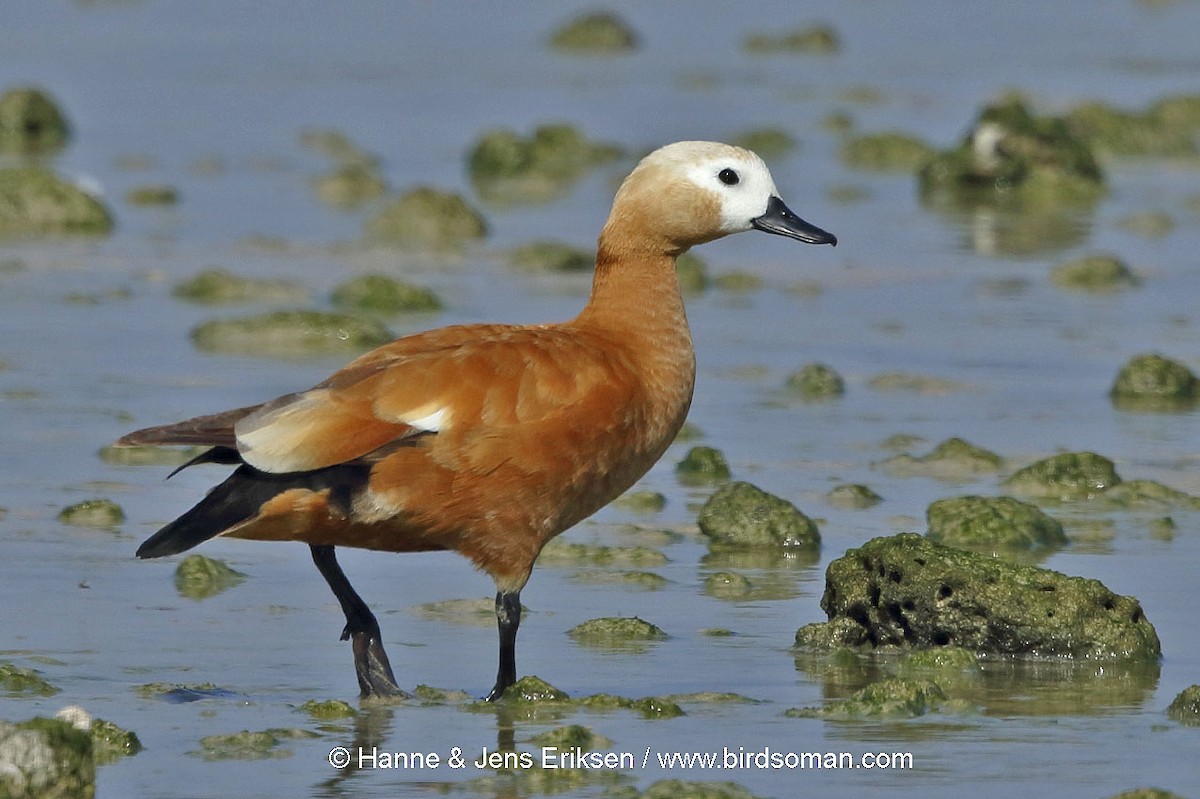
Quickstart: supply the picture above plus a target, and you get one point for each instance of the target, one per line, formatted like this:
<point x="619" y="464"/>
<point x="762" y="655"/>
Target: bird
<point x="486" y="439"/>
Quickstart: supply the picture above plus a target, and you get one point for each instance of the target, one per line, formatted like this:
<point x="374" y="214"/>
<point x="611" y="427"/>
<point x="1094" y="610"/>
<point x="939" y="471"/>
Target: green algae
<point x="688" y="789"/>
<point x="648" y="707"/>
<point x="562" y="553"/>
<point x="692" y="273"/>
<point x="111" y="742"/>
<point x="954" y="459"/>
<point x="152" y="195"/>
<point x="479" y="612"/>
<point x="102" y="514"/>
<point x="46" y="759"/>
<point x="571" y="736"/>
<point x="852" y="496"/>
<point x="148" y="456"/>
<point x="36" y="202"/>
<point x="991" y="523"/>
<point x="507" y="169"/>
<point x="427" y="218"/>
<point x="641" y="501"/>
<point x="17" y="681"/>
<point x="728" y="585"/>
<point x="1146" y="793"/>
<point x="251" y="745"/>
<point x="31" y="122"/>
<point x="1185" y="707"/>
<point x="907" y="591"/>
<point x="809" y="40"/>
<point x="614" y="631"/>
<point x="1147" y="224"/>
<point x="1148" y="494"/>
<point x="816" y="382"/>
<point x="890" y="698"/>
<point x="596" y="33"/>
<point x="350" y="185"/>
<point x="738" y="281"/>
<point x="1094" y="273"/>
<point x="1165" y="130"/>
<point x="1154" y="383"/>
<point x="219" y="286"/>
<point x="289" y="334"/>
<point x="200" y="577"/>
<point x="885" y="152"/>
<point x="703" y="465"/>
<point x="1065" y="477"/>
<point x="770" y="143"/>
<point x="643" y="580"/>
<point x="329" y="710"/>
<point x="912" y="383"/>
<point x="379" y="294"/>
<point x="742" y="515"/>
<point x="551" y="256"/>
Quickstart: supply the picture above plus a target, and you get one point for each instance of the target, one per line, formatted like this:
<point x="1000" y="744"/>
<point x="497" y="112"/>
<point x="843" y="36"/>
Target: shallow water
<point x="93" y="345"/>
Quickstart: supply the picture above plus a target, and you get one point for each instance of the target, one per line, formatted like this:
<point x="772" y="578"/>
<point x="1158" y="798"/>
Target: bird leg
<point x="508" y="619"/>
<point x="375" y="678"/>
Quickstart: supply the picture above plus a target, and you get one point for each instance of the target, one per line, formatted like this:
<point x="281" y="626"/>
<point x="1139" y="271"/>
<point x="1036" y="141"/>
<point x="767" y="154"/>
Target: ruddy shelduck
<point x="488" y="440"/>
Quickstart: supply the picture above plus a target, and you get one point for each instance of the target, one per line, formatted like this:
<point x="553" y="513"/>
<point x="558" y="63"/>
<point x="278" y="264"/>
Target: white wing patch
<point x="430" y="423"/>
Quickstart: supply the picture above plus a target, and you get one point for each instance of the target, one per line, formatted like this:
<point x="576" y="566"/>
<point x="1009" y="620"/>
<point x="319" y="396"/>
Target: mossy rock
<point x="905" y="591"/>
<point x="337" y="146"/>
<point x="742" y="515"/>
<point x="218" y="286"/>
<point x="428" y="218"/>
<point x="569" y="553"/>
<point x="1147" y="134"/>
<point x="534" y="689"/>
<point x="641" y="501"/>
<point x="1148" y="494"/>
<point x="728" y="585"/>
<point x="507" y="169"/>
<point x="597" y="33"/>
<point x="852" y="496"/>
<point x="1011" y="156"/>
<point x="770" y="143"/>
<point x="200" y="577"/>
<point x="329" y="710"/>
<point x="152" y="195"/>
<point x="351" y="185"/>
<point x="110" y="742"/>
<point x="885" y="152"/>
<point x="572" y="736"/>
<point x="31" y="122"/>
<point x="811" y="40"/>
<point x="649" y="707"/>
<point x="1066" y="477"/>
<point x="16" y="681"/>
<point x="985" y="523"/>
<point x="46" y="759"/>
<point x="954" y="459"/>
<point x="290" y="334"/>
<point x="248" y="745"/>
<point x="551" y="256"/>
<point x="100" y="513"/>
<point x="1094" y="273"/>
<point x="379" y="294"/>
<point x="36" y="202"/>
<point x="816" y="382"/>
<point x="616" y="631"/>
<point x="703" y="465"/>
<point x="890" y="698"/>
<point x="1185" y="708"/>
<point x="1154" y="383"/>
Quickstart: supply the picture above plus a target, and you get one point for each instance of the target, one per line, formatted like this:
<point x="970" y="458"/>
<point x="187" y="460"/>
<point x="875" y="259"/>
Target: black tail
<point x="241" y="497"/>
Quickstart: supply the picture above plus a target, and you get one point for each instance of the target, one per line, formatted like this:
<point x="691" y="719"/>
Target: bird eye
<point x="729" y="177"/>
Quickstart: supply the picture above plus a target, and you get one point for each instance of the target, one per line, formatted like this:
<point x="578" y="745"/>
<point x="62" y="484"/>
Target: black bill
<point x="780" y="220"/>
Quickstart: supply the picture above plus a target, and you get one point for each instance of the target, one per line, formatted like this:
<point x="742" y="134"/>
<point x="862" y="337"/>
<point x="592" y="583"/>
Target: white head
<point x="695" y="191"/>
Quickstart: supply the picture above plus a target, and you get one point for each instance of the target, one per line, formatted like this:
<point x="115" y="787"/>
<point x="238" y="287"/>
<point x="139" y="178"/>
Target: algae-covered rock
<point x="907" y="591"/>
<point x="692" y="273"/>
<point x="46" y="759"/>
<point x="1147" y="224"/>
<point x="564" y="553"/>
<point x="506" y="168"/>
<point x="650" y="707"/>
<point x="534" y="689"/>
<point x="36" y="202"/>
<point x="616" y="631"/>
<point x="199" y="577"/>
<point x="728" y="585"/>
<point x="328" y="710"/>
<point x="642" y="580"/>
<point x="986" y="523"/>
<point x="852" y="496"/>
<point x="596" y="33"/>
<point x="954" y="459"/>
<point x="1146" y="793"/>
<point x="770" y="143"/>
<point x="703" y="464"/>
<point x="641" y="501"/>
<point x="738" y="280"/>
<point x="571" y="736"/>
<point x="384" y="295"/>
<point x="290" y="334"/>
<point x="17" y="681"/>
<point x="428" y="218"/>
<point x="742" y="515"/>
<point x="1012" y="156"/>
<point x="217" y="286"/>
<point x="99" y="513"/>
<point x="816" y="382"/>
<point x="551" y="256"/>
<point x="1094" y="273"/>
<point x="693" y="789"/>
<point x="350" y="185"/>
<point x="1065" y="477"/>
<point x="248" y="745"/>
<point x="31" y="122"/>
<point x="1185" y="707"/>
<point x="812" y="40"/>
<point x="181" y="694"/>
<point x="1155" y="132"/>
<point x="1154" y="383"/>
<point x="1148" y="494"/>
<point x="110" y="742"/>
<point x="912" y="383"/>
<point x="885" y="152"/>
<point x="890" y="698"/>
<point x="152" y="195"/>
